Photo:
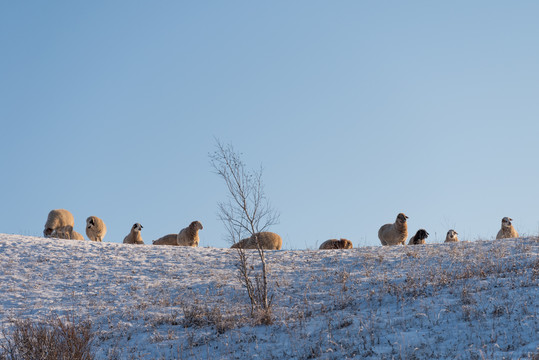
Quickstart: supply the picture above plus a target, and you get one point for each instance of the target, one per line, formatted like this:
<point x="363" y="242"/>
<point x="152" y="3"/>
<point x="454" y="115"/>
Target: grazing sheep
<point x="451" y="236"/>
<point x="134" y="236"/>
<point x="267" y="241"/>
<point x="95" y="228"/>
<point x="396" y="233"/>
<point x="68" y="233"/>
<point x="507" y="231"/>
<point x="419" y="238"/>
<point x="336" y="244"/>
<point x="170" y="239"/>
<point x="58" y="219"/>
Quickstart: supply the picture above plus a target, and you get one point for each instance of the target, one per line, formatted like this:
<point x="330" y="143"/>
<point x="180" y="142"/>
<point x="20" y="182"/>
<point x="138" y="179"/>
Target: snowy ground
<point x="477" y="300"/>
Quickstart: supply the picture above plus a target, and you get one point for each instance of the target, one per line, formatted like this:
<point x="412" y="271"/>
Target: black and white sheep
<point x="134" y="236"/>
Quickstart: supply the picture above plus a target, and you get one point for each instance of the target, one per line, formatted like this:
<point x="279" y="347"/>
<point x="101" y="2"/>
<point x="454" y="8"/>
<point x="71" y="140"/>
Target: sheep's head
<point x="47" y="232"/>
<point x="196" y="225"/>
<point x="452" y="234"/>
<point x="421" y="234"/>
<point x="506" y="222"/>
<point x="401" y="218"/>
<point x="137" y="227"/>
<point x="90" y="222"/>
<point x="345" y="244"/>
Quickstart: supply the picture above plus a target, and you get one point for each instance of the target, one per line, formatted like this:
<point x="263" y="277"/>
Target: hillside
<point x="466" y="300"/>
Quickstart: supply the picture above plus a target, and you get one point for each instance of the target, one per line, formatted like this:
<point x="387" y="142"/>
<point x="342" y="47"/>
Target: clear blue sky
<point x="357" y="110"/>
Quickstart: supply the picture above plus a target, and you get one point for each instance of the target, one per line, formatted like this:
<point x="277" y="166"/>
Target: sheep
<point x="170" y="239"/>
<point x="419" y="238"/>
<point x="68" y="233"/>
<point x="396" y="233"/>
<point x="336" y="244"/>
<point x="58" y="219"/>
<point x="267" y="241"/>
<point x="95" y="228"/>
<point x="507" y="231"/>
<point x="189" y="235"/>
<point x="451" y="236"/>
<point x="134" y="236"/>
<point x="186" y="237"/>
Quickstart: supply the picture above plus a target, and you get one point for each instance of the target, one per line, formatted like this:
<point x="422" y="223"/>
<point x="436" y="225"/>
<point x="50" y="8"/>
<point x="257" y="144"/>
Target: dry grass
<point x="55" y="339"/>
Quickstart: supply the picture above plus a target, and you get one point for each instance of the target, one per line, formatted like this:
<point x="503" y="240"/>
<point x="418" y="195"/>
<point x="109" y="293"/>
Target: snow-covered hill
<point x="465" y="300"/>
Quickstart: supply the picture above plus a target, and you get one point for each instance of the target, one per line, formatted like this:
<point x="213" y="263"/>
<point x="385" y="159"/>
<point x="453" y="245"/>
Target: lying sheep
<point x="95" y="228"/>
<point x="451" y="236"/>
<point x="419" y="238"/>
<point x="267" y="241"/>
<point x="170" y="239"/>
<point x="186" y="237"/>
<point x="68" y="233"/>
<point x="58" y="219"/>
<point x="336" y="244"/>
<point x="396" y="233"/>
<point x="507" y="231"/>
<point x="134" y="236"/>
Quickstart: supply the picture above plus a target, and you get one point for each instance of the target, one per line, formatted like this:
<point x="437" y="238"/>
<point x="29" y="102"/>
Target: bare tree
<point x="246" y="212"/>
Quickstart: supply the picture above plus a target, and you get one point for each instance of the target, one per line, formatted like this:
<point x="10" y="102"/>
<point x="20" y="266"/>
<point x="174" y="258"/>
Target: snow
<point x="464" y="300"/>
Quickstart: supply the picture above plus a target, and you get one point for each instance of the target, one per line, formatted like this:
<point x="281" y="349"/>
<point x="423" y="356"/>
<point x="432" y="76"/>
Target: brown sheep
<point x="396" y="233"/>
<point x="336" y="244"/>
<point x="507" y="231"/>
<point x="267" y="241"/>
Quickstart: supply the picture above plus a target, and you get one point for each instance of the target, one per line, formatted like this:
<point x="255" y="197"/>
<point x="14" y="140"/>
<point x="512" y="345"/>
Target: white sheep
<point x="336" y="244"/>
<point x="507" y="231"/>
<point x="267" y="241"/>
<point x="186" y="237"/>
<point x="95" y="228"/>
<point x="68" y="233"/>
<point x="58" y="219"/>
<point x="451" y="236"/>
<point x="134" y="236"/>
<point x="419" y="238"/>
<point x="396" y="233"/>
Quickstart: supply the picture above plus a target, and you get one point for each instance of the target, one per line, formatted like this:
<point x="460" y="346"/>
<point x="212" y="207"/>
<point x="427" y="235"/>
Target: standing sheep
<point x="336" y="244"/>
<point x="451" y="236"/>
<point x="396" y="233"/>
<point x="134" y="236"/>
<point x="58" y="219"/>
<point x="507" y="231"/>
<point x="186" y="237"/>
<point x="95" y="228"/>
<point x="267" y="241"/>
<point x="419" y="238"/>
<point x="189" y="235"/>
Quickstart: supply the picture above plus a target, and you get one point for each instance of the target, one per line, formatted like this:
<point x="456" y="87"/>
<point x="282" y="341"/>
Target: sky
<point x="355" y="110"/>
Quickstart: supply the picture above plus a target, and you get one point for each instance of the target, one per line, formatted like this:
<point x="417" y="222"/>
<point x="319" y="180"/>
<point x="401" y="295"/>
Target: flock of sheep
<point x="60" y="223"/>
